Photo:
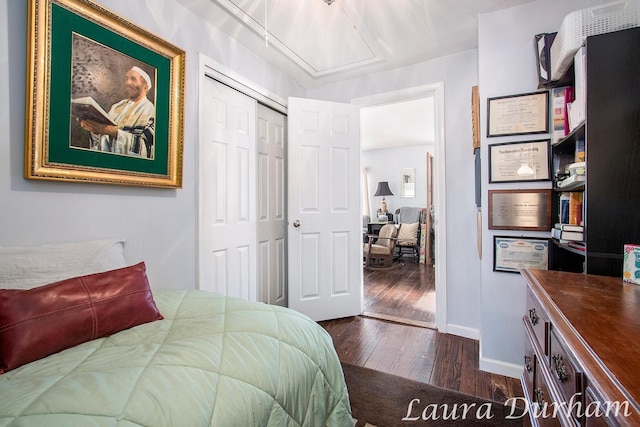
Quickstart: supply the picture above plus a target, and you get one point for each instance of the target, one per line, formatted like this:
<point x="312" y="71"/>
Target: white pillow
<point x="26" y="267"/>
<point x="408" y="234"/>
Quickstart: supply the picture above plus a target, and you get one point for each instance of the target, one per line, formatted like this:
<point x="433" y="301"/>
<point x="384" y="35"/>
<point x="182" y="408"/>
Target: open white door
<point x="324" y="231"/>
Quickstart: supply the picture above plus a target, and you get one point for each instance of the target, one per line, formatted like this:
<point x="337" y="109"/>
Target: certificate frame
<point x="528" y="210"/>
<point x="526" y="113"/>
<point x="510" y="253"/>
<point x="520" y="161"/>
<point x="79" y="49"/>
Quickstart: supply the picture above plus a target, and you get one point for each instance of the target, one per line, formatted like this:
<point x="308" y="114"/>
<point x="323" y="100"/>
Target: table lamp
<point x="383" y="190"/>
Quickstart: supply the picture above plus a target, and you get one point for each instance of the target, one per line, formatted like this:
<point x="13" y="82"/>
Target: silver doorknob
<point x="296" y="223"/>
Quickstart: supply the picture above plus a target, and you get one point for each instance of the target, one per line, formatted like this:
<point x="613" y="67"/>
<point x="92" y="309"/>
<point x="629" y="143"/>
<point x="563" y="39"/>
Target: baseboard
<point x="463" y="331"/>
<point x="499" y="367"/>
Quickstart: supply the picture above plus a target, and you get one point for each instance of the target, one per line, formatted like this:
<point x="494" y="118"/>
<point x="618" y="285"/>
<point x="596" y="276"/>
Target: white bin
<point x="579" y="25"/>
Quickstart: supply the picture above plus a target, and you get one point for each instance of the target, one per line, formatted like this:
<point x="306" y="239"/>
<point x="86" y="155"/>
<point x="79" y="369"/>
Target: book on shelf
<point x="577" y="108"/>
<point x="563" y="235"/>
<point x="86" y="108"/>
<point x="575" y="207"/>
<point x="580" y="246"/>
<point x="572" y="181"/>
<point x="579" y="155"/>
<point x="563" y="209"/>
<point x="559" y="112"/>
<point x="569" y="227"/>
<point x="568" y="99"/>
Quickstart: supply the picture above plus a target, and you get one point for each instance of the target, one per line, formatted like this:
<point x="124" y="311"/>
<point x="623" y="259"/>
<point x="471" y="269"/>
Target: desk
<point x="374" y="227"/>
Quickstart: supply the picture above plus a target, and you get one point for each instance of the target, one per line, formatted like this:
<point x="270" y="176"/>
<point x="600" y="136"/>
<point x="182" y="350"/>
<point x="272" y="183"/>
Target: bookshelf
<point x="611" y="131"/>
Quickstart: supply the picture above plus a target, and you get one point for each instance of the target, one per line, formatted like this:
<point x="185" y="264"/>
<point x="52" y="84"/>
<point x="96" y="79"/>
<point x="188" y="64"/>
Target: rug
<point x="379" y="399"/>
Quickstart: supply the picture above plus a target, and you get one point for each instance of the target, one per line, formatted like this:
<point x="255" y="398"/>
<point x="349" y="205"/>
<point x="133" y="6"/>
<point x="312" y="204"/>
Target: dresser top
<point x="599" y="317"/>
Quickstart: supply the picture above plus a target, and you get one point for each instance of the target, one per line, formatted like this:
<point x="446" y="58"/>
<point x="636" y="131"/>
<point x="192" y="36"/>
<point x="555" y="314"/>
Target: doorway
<point x="407" y="292"/>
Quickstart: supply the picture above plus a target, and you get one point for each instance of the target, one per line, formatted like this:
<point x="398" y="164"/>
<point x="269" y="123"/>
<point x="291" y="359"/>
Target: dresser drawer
<point x="542" y="404"/>
<point x="595" y="418"/>
<point x="538" y="322"/>
<point x="566" y="374"/>
<point x="529" y="364"/>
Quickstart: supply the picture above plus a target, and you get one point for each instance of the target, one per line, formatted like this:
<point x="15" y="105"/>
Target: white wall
<point x="159" y="224"/>
<point x="507" y="65"/>
<point x="459" y="74"/>
<point x="386" y="165"/>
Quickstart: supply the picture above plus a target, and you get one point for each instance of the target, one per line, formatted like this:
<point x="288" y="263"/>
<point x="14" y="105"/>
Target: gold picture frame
<point x="78" y="50"/>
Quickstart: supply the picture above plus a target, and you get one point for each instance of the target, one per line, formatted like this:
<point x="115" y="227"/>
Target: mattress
<point x="212" y="361"/>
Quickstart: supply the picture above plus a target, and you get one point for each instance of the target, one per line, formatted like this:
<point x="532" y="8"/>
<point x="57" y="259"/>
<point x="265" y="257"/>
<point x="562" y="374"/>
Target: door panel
<point x="227" y="223"/>
<point x="325" y="248"/>
<point x="272" y="227"/>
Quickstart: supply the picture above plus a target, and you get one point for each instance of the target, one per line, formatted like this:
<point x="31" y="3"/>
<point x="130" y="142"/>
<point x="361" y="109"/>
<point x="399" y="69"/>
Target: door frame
<point x="213" y="69"/>
<point x="435" y="91"/>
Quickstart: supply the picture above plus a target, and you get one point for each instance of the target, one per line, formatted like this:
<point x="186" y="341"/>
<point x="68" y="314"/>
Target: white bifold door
<point x="242" y="196"/>
<point x="272" y="197"/>
<point x="227" y="214"/>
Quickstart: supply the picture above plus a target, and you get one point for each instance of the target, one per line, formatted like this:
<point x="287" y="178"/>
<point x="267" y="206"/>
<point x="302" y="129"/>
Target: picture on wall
<point x="520" y="161"/>
<point x="511" y="254"/>
<point x="408" y="182"/>
<point x="528" y="210"/>
<point x="106" y="100"/>
<point x="520" y="114"/>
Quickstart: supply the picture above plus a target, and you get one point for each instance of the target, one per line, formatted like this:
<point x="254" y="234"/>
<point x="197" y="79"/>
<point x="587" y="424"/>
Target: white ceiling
<point x="317" y="44"/>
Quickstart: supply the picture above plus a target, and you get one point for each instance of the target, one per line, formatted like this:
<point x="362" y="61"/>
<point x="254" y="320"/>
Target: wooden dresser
<point x="582" y="350"/>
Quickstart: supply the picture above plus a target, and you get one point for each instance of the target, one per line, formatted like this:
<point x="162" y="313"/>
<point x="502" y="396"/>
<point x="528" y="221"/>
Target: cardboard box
<point x="631" y="264"/>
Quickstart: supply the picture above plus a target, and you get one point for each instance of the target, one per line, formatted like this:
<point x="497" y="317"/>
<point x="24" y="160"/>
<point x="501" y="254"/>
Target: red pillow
<point x="37" y="322"/>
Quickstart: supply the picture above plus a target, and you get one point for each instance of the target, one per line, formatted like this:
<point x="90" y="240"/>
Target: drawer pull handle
<point x="527" y="363"/>
<point x="533" y="316"/>
<point x="558" y="368"/>
<point x="538" y="397"/>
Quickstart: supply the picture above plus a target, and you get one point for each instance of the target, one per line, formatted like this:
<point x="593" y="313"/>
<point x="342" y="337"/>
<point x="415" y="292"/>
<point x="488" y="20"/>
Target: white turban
<point x="143" y="74"/>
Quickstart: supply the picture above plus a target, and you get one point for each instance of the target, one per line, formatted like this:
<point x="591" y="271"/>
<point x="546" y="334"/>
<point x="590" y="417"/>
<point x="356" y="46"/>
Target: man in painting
<point x="134" y="117"/>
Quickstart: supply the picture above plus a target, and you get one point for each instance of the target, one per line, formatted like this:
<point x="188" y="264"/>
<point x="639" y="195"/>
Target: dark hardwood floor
<point x="416" y="352"/>
<point x="405" y="293"/>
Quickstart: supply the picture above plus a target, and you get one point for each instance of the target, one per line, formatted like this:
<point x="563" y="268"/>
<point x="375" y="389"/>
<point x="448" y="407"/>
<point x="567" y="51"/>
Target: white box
<point x="631" y="264"/>
<point x="578" y="25"/>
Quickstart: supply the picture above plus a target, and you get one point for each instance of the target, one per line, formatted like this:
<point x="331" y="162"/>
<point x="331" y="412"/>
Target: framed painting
<point x="521" y="114"/>
<point x="105" y="98"/>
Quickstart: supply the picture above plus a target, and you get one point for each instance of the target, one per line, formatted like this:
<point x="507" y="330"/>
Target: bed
<point x="197" y="359"/>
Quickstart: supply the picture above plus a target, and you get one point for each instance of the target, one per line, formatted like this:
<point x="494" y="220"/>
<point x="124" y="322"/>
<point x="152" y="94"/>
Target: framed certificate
<point x="518" y="114"/>
<point x="510" y="254"/>
<point x="520" y="161"/>
<point x="520" y="210"/>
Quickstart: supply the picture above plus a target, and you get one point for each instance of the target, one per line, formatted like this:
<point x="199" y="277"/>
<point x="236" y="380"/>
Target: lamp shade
<point x="383" y="189"/>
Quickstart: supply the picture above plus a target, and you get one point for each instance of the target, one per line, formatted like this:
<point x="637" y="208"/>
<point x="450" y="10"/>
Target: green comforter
<point x="213" y="361"/>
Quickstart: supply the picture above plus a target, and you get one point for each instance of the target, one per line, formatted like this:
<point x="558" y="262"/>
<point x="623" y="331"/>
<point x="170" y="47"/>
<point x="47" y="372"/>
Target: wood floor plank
<point x="414" y="352"/>
<point x="469" y="368"/>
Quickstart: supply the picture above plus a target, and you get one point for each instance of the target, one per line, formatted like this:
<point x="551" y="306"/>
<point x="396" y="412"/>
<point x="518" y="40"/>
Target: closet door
<point x="272" y="194"/>
<point x="227" y="192"/>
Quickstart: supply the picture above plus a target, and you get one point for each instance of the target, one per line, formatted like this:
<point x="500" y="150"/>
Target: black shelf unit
<point x="611" y="132"/>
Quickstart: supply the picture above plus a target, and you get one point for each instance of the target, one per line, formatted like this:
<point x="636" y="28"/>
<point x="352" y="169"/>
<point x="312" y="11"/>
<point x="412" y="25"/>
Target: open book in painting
<point x="86" y="108"/>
